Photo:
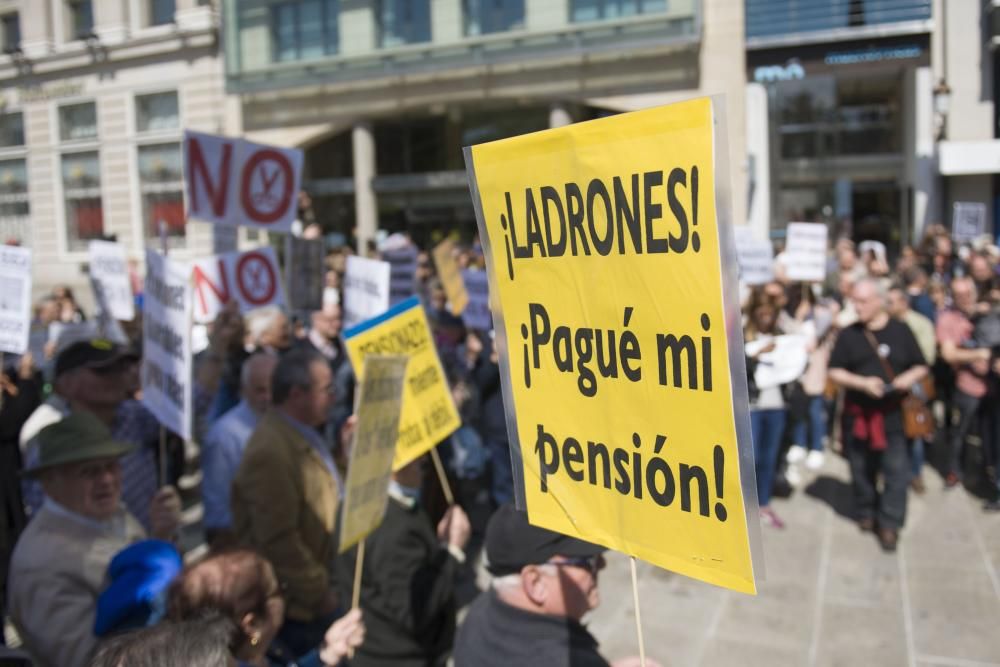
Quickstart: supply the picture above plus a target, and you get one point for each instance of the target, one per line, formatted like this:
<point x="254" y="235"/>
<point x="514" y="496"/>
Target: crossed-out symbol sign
<point x="256" y="279"/>
<point x="267" y="186"/>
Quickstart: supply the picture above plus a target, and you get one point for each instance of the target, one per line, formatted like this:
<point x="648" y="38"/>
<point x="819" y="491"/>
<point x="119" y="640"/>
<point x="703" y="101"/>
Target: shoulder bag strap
<point x="885" y="364"/>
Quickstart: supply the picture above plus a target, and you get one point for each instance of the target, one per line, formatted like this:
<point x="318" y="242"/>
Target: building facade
<point x="841" y="111"/>
<point x="95" y="96"/>
<point x="873" y="116"/>
<point x="383" y="94"/>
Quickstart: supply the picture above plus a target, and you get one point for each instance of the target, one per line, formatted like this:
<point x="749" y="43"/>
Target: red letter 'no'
<point x="198" y="166"/>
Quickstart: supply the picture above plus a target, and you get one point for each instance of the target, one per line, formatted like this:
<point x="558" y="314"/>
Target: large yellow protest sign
<point x="620" y="336"/>
<point x="429" y="415"/>
<point x="451" y="276"/>
<point x="380" y="400"/>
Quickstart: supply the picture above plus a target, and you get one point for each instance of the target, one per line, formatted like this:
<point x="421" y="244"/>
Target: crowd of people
<point x="98" y="506"/>
<point x="93" y="506"/>
<point x="893" y="367"/>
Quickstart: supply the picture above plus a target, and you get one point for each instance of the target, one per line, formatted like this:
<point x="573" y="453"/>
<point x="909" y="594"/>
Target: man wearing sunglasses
<point x="543" y="585"/>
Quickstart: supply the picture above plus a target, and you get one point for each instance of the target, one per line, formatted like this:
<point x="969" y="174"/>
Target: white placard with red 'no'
<point x="231" y="181"/>
<point x="251" y="278"/>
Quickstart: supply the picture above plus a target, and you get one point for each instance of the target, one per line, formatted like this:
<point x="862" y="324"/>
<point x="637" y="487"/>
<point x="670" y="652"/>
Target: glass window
<point x="13" y="189"/>
<point x="157" y="111"/>
<point x="81" y="18"/>
<point x="161" y="183"/>
<point x="11" y="129"/>
<point x="596" y="10"/>
<point x="781" y="17"/>
<point x="404" y="22"/>
<point x="161" y="12"/>
<point x="483" y="17"/>
<point x="15" y="222"/>
<point x="81" y="177"/>
<point x="11" y="28"/>
<point x="304" y="29"/>
<point x="78" y="121"/>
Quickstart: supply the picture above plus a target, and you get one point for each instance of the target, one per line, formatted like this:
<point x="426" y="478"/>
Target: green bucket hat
<point x="79" y="437"/>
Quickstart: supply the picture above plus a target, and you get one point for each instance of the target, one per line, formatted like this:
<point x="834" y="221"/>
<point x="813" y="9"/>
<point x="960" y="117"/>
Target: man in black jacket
<point x="544" y="584"/>
<point x="408" y="580"/>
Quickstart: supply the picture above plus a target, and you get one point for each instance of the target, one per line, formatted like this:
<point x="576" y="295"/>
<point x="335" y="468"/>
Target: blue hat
<point x="139" y="575"/>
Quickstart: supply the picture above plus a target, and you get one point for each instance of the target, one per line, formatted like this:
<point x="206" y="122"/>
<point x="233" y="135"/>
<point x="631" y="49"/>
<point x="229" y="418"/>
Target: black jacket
<point x="407" y="592"/>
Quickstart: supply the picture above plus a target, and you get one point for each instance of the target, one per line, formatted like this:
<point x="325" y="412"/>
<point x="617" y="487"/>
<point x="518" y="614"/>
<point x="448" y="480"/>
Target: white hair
<point x="509" y="581"/>
<point x="260" y="320"/>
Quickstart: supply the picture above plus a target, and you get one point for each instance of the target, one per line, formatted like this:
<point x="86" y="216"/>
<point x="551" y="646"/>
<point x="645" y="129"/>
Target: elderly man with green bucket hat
<point x="60" y="562"/>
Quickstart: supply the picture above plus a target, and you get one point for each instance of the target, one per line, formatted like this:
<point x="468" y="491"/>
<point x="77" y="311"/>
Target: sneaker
<point x="951" y="480"/>
<point x="795" y="453"/>
<point x="918" y="486"/>
<point x="815" y="460"/>
<point x="866" y="524"/>
<point x="793" y="477"/>
<point x="769" y="518"/>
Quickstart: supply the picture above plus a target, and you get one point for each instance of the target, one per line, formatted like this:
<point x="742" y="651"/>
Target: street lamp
<point x="942" y="105"/>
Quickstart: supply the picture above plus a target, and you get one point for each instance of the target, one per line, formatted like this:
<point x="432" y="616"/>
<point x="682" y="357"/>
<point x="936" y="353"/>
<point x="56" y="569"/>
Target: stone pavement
<point x="831" y="597"/>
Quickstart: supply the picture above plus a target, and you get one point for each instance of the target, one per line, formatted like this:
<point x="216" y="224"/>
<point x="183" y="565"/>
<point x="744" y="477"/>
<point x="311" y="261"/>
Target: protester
<point x="286" y="493"/>
<point x="59" y="564"/>
<point x="241" y="587"/>
<point x="223" y="447"/>
<point x="876" y="360"/>
<point x="269" y="330"/>
<point x="408" y="579"/>
<point x="69" y="311"/>
<point x="971" y="364"/>
<point x="324" y="336"/>
<point x="767" y="404"/>
<point x="202" y="641"/>
<point x="543" y="585"/>
<point x="20" y="395"/>
<point x="923" y="331"/>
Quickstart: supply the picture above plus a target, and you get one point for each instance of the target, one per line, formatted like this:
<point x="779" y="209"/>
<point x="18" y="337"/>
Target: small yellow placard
<point x="451" y="277"/>
<point x="380" y="401"/>
<point x="621" y="336"/>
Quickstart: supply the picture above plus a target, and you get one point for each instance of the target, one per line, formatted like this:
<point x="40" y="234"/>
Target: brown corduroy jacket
<point x="284" y="503"/>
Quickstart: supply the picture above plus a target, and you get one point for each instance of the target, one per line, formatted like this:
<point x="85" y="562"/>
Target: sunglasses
<point x="592" y="564"/>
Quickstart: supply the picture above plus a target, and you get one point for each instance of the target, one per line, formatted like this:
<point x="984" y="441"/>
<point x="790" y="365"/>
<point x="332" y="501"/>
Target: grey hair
<point x="260" y="320"/>
<point x="878" y="285"/>
<point x="293" y="371"/>
<point x="247" y="367"/>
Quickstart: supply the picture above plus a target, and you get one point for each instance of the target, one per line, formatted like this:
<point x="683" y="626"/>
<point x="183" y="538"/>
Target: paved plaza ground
<point x="831" y="596"/>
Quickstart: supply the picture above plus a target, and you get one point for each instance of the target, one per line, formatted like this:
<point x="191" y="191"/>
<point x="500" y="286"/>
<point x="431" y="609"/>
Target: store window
<point x="161" y="12"/>
<point x="81" y="18"/>
<point x="305" y="29"/>
<point x="599" y="10"/>
<point x="403" y="22"/>
<point x="81" y="182"/>
<point x="157" y="112"/>
<point x="483" y="17"/>
<point x="161" y="184"/>
<point x="10" y="32"/>
<point x="11" y="130"/>
<point x="78" y="121"/>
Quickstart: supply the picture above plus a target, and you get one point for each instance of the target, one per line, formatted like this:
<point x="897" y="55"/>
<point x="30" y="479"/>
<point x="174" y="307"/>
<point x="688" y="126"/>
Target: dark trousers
<point x="894" y="464"/>
<point x="977" y="415"/>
